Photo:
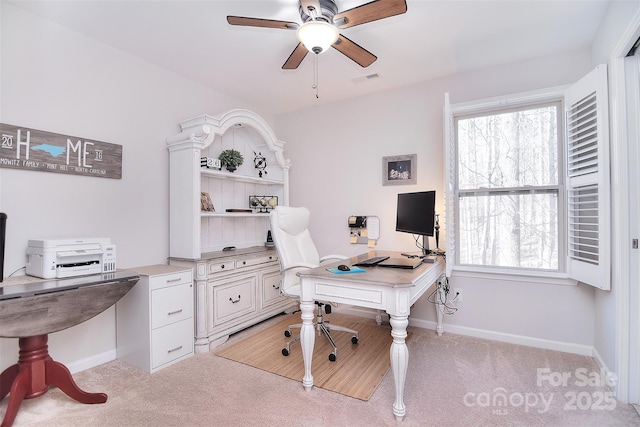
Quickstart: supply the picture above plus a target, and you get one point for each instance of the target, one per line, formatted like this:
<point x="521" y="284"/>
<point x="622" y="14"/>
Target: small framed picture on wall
<point x="400" y="170"/>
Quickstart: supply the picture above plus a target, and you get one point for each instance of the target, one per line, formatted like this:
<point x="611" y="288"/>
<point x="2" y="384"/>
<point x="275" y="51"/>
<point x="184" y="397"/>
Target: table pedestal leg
<point x="307" y="341"/>
<point x="34" y="373"/>
<point x="399" y="361"/>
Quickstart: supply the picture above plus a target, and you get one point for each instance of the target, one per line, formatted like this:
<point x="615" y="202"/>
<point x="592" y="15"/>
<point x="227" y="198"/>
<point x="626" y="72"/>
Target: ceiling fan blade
<point x="368" y="12"/>
<point x="314" y="4"/>
<point x="258" y="22"/>
<point x="354" y="51"/>
<point x="295" y="58"/>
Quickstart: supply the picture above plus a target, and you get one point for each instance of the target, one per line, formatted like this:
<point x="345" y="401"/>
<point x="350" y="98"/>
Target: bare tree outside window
<point x="508" y="188"/>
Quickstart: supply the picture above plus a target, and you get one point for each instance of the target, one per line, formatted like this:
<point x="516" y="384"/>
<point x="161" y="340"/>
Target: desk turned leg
<point x="399" y="361"/>
<point x="34" y="373"/>
<point x="307" y="341"/>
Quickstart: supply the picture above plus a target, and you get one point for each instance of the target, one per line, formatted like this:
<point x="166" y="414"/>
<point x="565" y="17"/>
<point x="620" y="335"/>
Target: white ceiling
<point x="434" y="38"/>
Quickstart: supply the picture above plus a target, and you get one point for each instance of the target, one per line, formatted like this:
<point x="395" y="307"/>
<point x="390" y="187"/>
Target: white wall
<point x="56" y="80"/>
<point x="336" y="153"/>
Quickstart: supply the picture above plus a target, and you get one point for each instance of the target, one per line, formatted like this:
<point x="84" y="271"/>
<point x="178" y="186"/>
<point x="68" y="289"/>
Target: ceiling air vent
<point x="367" y="78"/>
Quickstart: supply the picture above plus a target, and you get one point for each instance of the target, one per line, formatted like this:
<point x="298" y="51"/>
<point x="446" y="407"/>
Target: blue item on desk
<point x="335" y="270"/>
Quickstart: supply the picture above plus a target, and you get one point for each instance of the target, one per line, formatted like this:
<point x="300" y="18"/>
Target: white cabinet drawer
<point x="271" y="288"/>
<point x="159" y="282"/>
<point x="171" y="342"/>
<point x="248" y="262"/>
<point x="234" y="299"/>
<point x="154" y="321"/>
<point x="217" y="267"/>
<point x="171" y="304"/>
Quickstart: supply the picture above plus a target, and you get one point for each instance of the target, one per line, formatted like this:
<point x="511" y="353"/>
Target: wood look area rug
<point x="357" y="372"/>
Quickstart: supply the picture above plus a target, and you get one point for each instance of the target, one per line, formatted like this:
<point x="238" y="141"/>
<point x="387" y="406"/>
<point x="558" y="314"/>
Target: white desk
<point x="391" y="289"/>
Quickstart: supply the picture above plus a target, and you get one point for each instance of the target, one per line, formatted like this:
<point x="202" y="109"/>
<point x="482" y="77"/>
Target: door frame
<point x="625" y="266"/>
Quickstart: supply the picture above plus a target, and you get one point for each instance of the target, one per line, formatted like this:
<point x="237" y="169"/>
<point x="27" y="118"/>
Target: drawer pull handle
<point x="173" y="280"/>
<point x="236" y="301"/>
<point x="174" y="312"/>
<point x="275" y="287"/>
<point x="222" y="266"/>
<point x="174" y="349"/>
<point x="244" y="262"/>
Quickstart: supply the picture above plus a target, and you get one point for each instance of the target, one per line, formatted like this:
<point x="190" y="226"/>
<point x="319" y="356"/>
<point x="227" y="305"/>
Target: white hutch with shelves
<point x="237" y="288"/>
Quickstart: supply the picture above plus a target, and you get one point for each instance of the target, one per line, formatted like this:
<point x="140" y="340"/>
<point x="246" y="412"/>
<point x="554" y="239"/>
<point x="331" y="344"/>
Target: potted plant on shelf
<point x="231" y="159"/>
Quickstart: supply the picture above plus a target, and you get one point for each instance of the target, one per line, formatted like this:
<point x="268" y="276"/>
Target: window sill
<point x="538" y="277"/>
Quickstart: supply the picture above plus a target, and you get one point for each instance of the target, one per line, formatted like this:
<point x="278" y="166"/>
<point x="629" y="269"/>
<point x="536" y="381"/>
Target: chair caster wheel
<point x="285" y="352"/>
<point x="354" y="340"/>
<point x="287" y="334"/>
<point x="332" y="357"/>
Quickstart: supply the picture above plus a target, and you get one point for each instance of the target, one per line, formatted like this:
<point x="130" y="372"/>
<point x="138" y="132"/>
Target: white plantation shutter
<point x="587" y="145"/>
<point x="582" y="133"/>
<point x="450" y="160"/>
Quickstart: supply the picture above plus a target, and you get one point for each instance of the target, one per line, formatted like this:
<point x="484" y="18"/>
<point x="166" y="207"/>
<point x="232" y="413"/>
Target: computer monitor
<point x="416" y="215"/>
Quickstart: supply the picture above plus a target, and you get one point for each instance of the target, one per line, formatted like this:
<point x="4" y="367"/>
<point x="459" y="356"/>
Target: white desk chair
<point x="296" y="252"/>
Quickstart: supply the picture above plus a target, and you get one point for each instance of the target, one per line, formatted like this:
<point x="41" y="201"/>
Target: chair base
<point x="323" y="328"/>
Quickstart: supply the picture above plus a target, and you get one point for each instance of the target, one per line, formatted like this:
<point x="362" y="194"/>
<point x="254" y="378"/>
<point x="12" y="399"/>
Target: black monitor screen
<point x="416" y="213"/>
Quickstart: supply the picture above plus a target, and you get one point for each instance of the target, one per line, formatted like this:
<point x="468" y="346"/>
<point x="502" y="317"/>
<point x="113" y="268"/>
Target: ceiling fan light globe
<point x="317" y="36"/>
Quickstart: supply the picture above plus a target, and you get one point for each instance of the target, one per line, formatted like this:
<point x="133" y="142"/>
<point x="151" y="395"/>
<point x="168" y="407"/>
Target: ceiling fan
<point x="321" y="18"/>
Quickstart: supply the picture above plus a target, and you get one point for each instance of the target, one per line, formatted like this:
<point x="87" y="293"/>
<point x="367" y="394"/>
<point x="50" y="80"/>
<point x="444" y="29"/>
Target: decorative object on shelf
<point x="206" y="205"/>
<point x="273" y="202"/>
<point x="210" y="163"/>
<point x="400" y="170"/>
<point x="231" y="159"/>
<point x="263" y="203"/>
<point x="254" y="202"/>
<point x="260" y="163"/>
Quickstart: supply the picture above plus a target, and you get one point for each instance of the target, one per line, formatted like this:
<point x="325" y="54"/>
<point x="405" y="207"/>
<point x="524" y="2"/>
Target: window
<point x="509" y="194"/>
<point x="527" y="183"/>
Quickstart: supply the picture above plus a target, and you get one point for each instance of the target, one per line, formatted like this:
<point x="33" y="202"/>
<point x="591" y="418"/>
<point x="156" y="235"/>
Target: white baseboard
<point x="602" y="365"/>
<point x="599" y="361"/>
<point x="583" y="350"/>
<point x="90" y="362"/>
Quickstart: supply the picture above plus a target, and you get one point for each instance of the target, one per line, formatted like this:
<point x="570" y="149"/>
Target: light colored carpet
<point x="356" y="373"/>
<point x="451" y="381"/>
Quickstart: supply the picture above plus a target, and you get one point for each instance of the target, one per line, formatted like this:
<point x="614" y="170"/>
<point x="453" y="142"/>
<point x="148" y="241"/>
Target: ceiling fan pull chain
<point x="315" y="74"/>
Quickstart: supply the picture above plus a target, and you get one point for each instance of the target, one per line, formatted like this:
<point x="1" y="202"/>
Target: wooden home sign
<point x="31" y="149"/>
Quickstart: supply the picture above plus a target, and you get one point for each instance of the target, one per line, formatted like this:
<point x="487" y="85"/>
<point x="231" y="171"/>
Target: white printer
<point x="59" y="258"/>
